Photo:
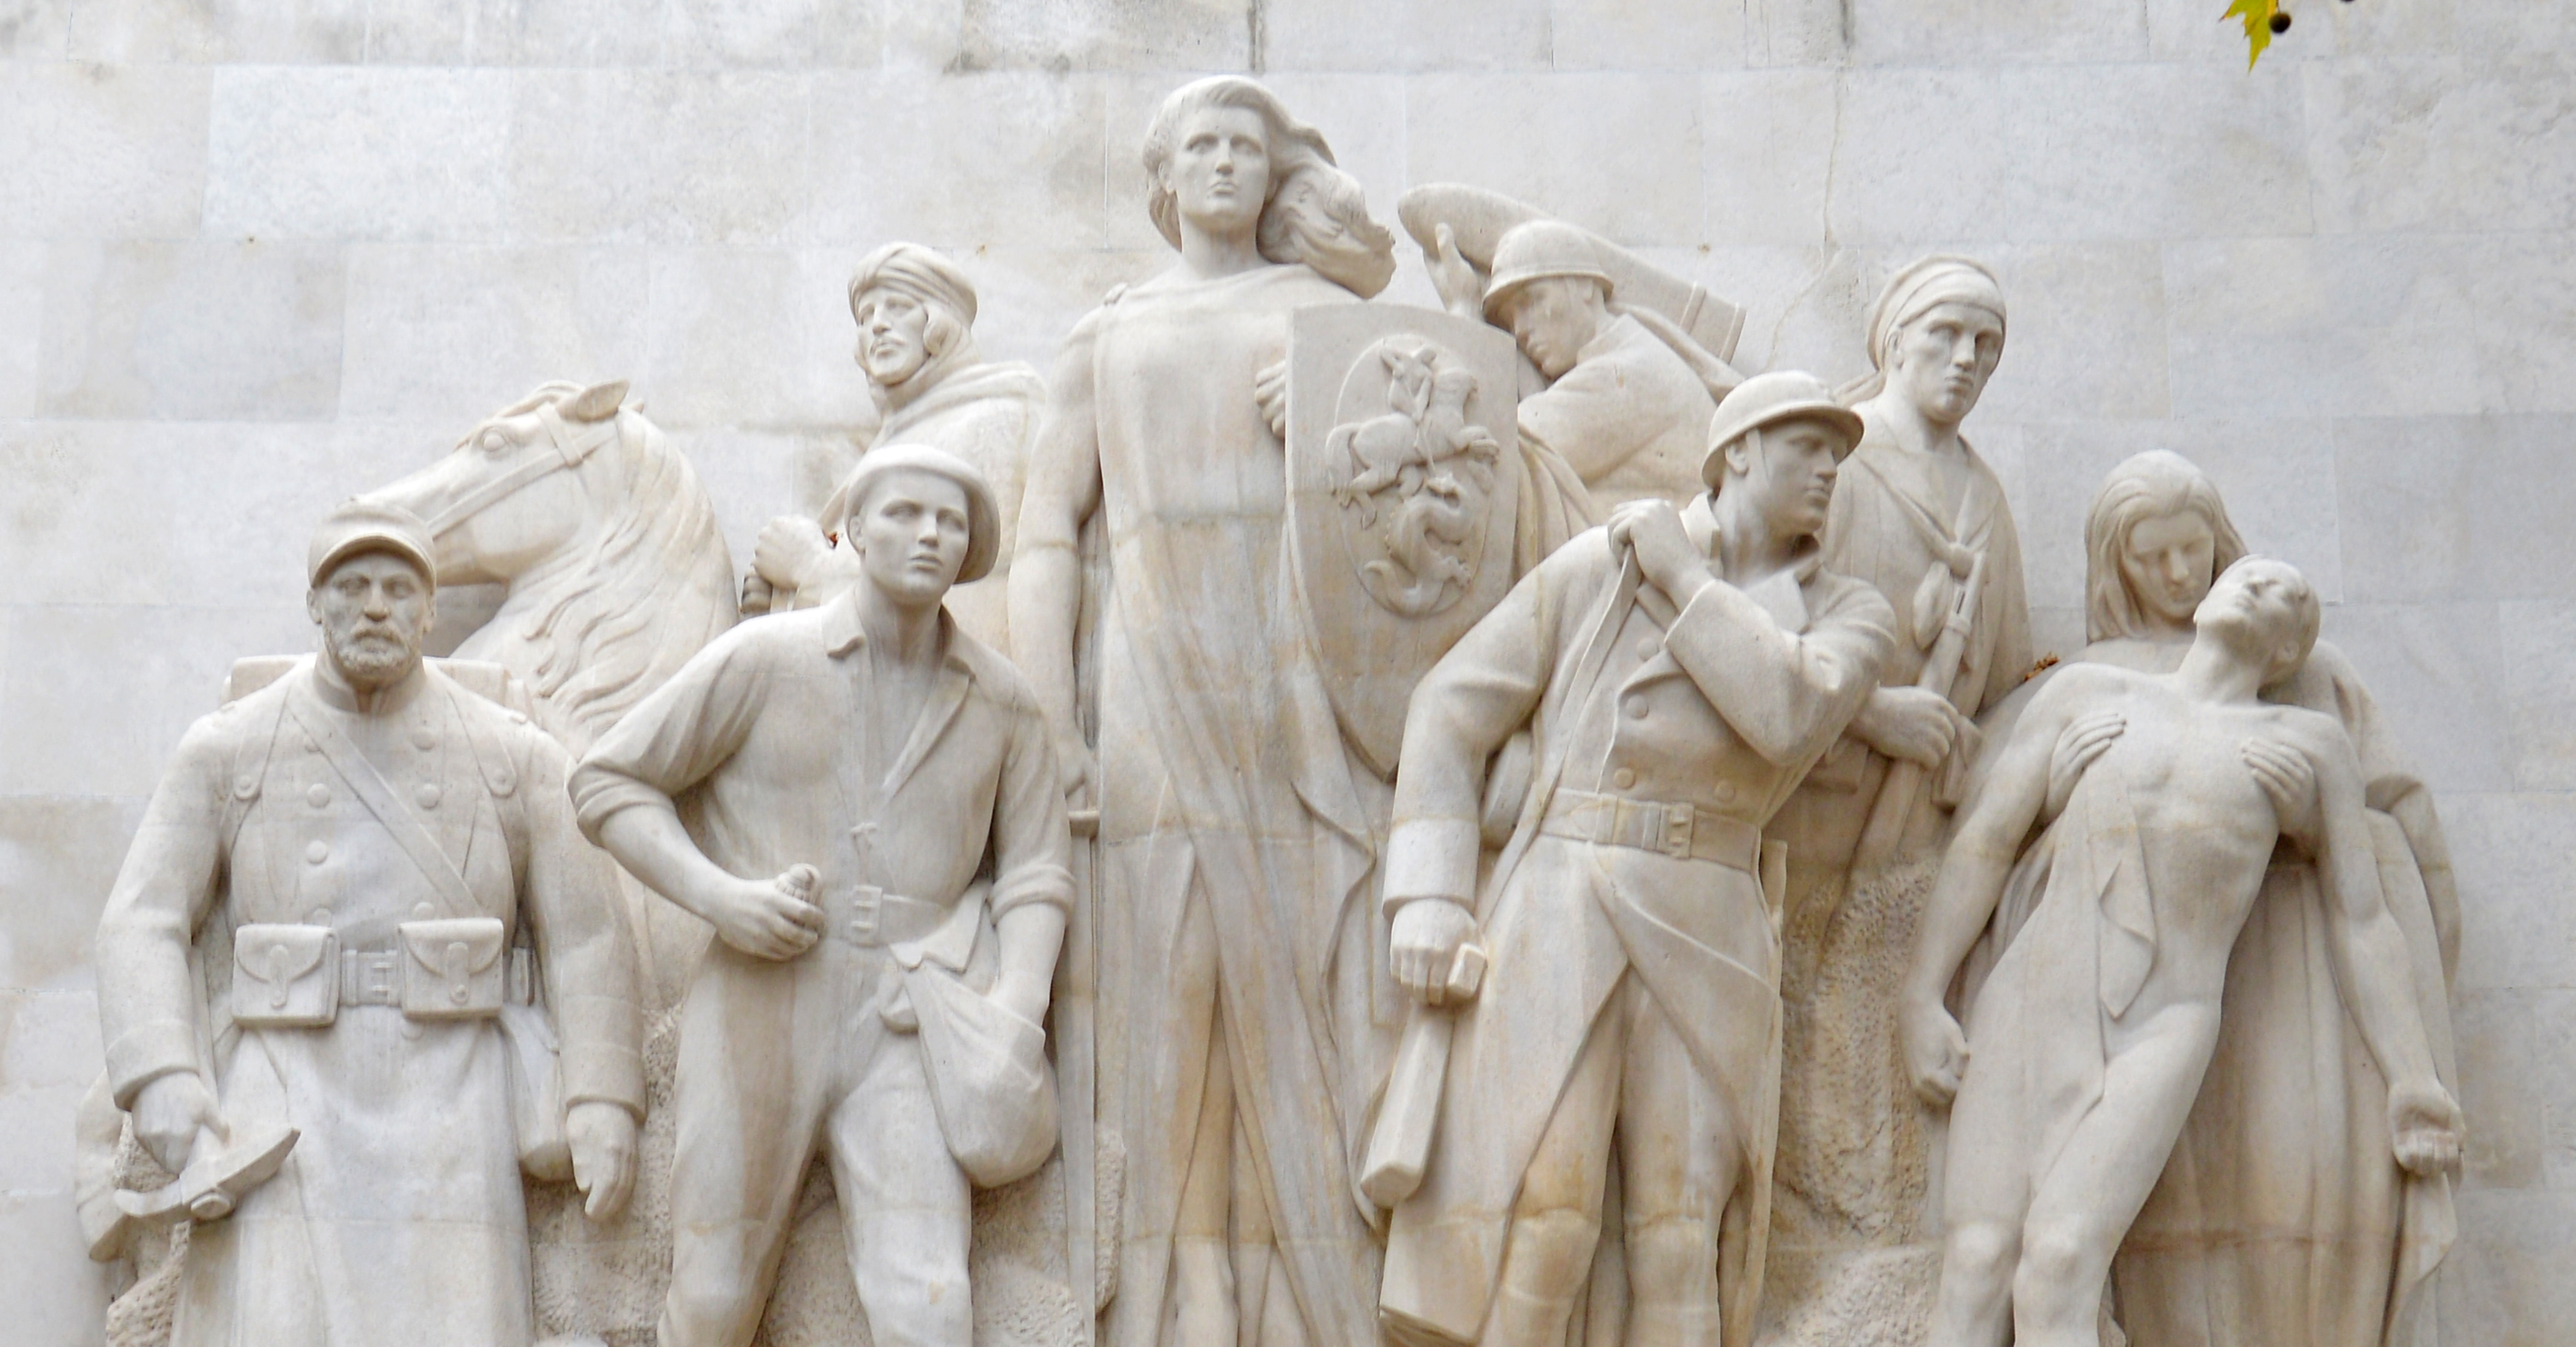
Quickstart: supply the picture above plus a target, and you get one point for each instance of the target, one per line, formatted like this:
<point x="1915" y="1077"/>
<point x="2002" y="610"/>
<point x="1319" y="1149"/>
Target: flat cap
<point x="361" y="525"/>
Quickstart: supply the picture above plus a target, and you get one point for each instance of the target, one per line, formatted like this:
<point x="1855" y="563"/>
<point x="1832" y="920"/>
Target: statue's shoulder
<point x="1000" y="679"/>
<point x="1832" y="595"/>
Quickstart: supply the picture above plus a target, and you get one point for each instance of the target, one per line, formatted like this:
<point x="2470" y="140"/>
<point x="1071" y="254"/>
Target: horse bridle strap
<point x="568" y="448"/>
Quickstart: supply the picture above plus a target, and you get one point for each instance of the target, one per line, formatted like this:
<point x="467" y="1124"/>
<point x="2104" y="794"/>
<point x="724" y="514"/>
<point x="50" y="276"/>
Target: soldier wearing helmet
<point x="1621" y="407"/>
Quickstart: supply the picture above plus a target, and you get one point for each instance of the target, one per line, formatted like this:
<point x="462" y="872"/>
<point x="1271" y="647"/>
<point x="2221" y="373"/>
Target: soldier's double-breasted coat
<point x="1716" y="715"/>
<point x="398" y="1217"/>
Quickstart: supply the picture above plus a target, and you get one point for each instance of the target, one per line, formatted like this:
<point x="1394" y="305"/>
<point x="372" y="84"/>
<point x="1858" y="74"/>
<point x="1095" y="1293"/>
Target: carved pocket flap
<point x="452" y="968"/>
<point x="285" y="975"/>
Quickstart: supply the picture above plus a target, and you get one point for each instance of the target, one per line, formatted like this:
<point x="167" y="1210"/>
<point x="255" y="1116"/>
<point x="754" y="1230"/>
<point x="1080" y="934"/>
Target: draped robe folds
<point x="1225" y="781"/>
<point x="2282" y="1215"/>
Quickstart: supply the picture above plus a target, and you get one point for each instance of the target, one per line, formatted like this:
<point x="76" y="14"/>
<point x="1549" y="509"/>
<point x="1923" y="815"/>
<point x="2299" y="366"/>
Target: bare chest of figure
<point x="2205" y="827"/>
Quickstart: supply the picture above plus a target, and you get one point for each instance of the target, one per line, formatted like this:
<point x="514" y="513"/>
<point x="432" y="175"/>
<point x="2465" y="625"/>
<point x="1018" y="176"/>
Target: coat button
<point x="422" y="739"/>
<point x="1648" y="647"/>
<point x="312" y="745"/>
<point x="1726" y="792"/>
<point x="1636" y="708"/>
<point x="319" y="796"/>
<point x="317" y="850"/>
<point x="427" y="794"/>
<point x="1623" y="778"/>
<point x="320" y="916"/>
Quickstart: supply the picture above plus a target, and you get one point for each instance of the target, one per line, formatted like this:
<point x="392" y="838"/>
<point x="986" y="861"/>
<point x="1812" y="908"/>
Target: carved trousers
<point x="1634" y="1085"/>
<point x="778" y="1061"/>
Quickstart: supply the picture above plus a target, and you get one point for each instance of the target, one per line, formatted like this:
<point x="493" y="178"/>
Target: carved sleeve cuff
<point x="600" y="1056"/>
<point x="1040" y="883"/>
<point x="1432" y="858"/>
<point x="147" y="1052"/>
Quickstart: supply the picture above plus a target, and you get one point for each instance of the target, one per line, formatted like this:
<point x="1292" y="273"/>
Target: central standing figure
<point x="1236" y="831"/>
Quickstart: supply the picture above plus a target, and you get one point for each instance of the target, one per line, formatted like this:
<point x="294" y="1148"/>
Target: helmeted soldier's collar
<point x="843" y="632"/>
<point x="334" y="691"/>
<point x="1699" y="520"/>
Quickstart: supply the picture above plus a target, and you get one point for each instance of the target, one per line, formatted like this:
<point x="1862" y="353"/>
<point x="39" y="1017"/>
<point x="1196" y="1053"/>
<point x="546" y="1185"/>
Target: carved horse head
<point x="615" y="569"/>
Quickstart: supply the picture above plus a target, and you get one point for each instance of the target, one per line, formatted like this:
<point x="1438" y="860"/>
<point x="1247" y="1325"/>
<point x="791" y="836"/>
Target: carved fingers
<point x="2290" y="780"/>
<point x="789" y="549"/>
<point x="168" y="1113"/>
<point x="1424" y="943"/>
<point x="602" y="1138"/>
<point x="1936" y="1053"/>
<point x="1914" y="724"/>
<point x="1653" y="529"/>
<point x="1270" y="389"/>
<point x="1461" y="287"/>
<point x="2424" y="1128"/>
<point x="770" y="919"/>
<point x="2084" y="739"/>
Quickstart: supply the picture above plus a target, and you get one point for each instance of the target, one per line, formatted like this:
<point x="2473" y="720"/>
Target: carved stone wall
<point x="256" y="256"/>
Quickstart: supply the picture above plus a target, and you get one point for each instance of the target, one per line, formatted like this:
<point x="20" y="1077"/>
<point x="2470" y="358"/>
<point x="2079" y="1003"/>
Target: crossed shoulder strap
<point x="377" y="794"/>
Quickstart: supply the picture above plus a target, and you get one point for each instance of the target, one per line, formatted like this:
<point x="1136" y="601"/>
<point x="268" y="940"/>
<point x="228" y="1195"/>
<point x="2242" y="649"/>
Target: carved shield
<point x="1404" y="484"/>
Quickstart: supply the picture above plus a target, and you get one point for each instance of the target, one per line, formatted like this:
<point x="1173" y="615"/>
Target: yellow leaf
<point x="2258" y="25"/>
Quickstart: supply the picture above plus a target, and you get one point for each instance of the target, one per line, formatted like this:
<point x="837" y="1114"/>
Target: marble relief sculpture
<point x="1920" y="517"/>
<point x="1681" y="671"/>
<point x="1494" y="827"/>
<point x="1236" y="833"/>
<point x="1626" y="391"/>
<point x="869" y="998"/>
<point x="358" y="913"/>
<point x="2282" y="1210"/>
<point x="915" y="311"/>
<point x="2090" y="1038"/>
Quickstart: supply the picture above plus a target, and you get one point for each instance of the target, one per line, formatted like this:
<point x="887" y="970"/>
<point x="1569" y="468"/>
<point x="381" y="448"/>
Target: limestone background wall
<point x="257" y="255"/>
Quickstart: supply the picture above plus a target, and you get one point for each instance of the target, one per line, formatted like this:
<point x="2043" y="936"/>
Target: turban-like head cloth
<point x="911" y="269"/>
<point x="1939" y="279"/>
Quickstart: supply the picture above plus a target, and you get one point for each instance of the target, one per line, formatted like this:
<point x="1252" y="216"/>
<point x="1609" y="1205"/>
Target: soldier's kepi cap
<point x="360" y="525"/>
<point x="1535" y="250"/>
<point x="1768" y="399"/>
<point x="983" y="516"/>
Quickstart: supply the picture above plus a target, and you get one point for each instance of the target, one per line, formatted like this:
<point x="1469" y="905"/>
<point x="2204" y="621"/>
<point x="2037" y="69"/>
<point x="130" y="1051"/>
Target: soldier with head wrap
<point x="916" y="315"/>
<point x="1922" y="518"/>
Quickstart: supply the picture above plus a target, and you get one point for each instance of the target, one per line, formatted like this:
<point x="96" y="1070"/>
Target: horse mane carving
<point x="625" y="598"/>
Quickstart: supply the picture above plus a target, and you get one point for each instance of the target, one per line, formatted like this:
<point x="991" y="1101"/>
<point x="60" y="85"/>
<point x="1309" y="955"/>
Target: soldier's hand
<point x="1424" y="943"/>
<point x="2084" y="739"/>
<point x="1653" y="529"/>
<point x="769" y="918"/>
<point x="602" y="1138"/>
<point x="1936" y="1052"/>
<point x="1460" y="286"/>
<point x="2290" y="780"/>
<point x="1270" y="389"/>
<point x="1914" y="724"/>
<point x="168" y="1112"/>
<point x="2424" y="1128"/>
<point x="789" y="550"/>
<point x="1080" y="770"/>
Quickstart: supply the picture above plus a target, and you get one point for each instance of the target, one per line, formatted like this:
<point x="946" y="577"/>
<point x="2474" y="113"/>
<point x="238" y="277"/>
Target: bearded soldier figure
<point x="316" y="942"/>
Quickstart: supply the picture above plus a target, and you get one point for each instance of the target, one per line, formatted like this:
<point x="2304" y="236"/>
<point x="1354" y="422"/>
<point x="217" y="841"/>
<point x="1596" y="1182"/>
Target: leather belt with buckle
<point x="1681" y="831"/>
